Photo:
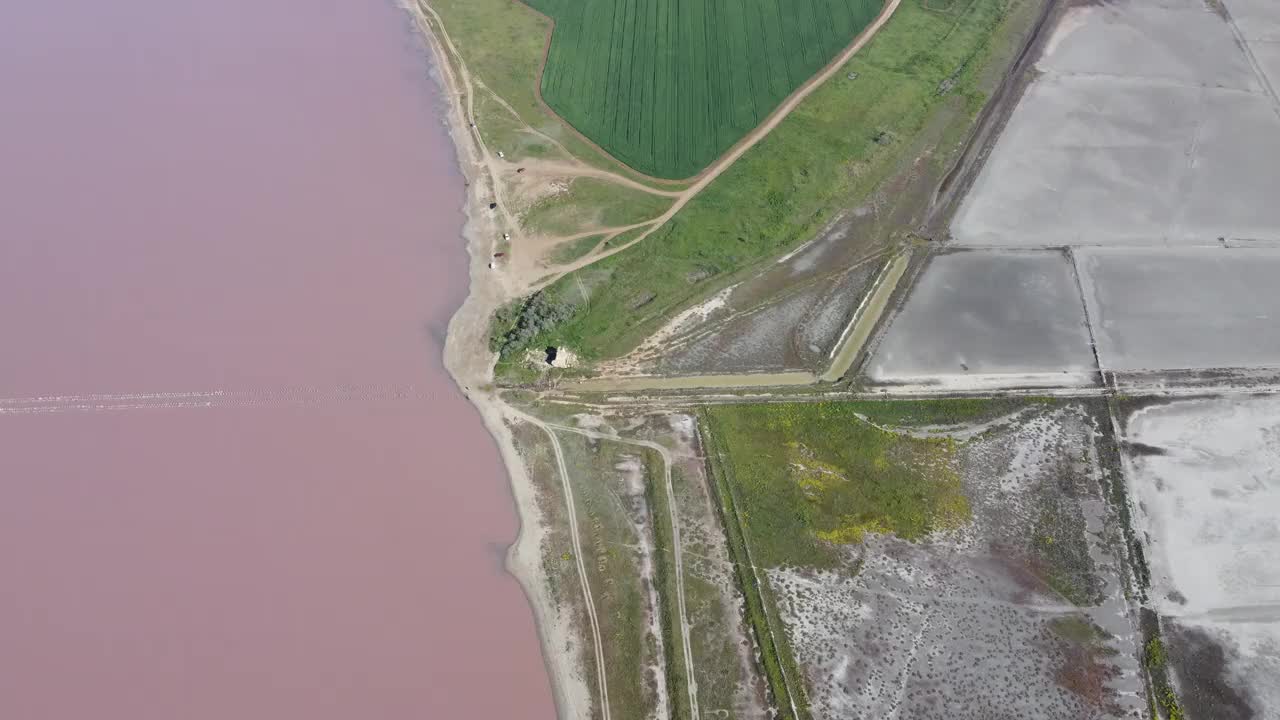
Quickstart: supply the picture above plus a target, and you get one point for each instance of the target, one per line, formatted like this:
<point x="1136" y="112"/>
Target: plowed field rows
<point x="666" y="86"/>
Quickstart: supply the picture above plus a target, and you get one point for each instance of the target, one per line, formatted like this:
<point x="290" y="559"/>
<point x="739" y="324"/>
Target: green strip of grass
<point x="948" y="411"/>
<point x="664" y="579"/>
<point x="1164" y="701"/>
<point x="834" y="151"/>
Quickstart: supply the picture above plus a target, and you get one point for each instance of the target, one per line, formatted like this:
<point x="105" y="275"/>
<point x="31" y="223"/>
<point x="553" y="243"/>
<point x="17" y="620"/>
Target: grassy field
<point x="502" y="43"/>
<point x="810" y="476"/>
<point x="571" y="251"/>
<point x="666" y="86"/>
<point x="589" y="203"/>
<point x="833" y="152"/>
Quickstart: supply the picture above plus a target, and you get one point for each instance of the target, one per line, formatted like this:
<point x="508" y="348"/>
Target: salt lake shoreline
<point x="470" y="362"/>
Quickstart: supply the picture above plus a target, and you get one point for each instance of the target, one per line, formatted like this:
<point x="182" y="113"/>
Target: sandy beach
<point x="470" y="362"/>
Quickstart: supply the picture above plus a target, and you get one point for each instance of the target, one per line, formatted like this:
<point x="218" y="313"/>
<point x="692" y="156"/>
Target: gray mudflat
<point x="1149" y="127"/>
<point x="1178" y="308"/>
<point x="988" y="312"/>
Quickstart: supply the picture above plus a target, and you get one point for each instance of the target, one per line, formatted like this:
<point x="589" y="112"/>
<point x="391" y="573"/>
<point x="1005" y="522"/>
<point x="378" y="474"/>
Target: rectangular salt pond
<point x="975" y="313"/>
<point x="1148" y="126"/>
<point x="1183" y="308"/>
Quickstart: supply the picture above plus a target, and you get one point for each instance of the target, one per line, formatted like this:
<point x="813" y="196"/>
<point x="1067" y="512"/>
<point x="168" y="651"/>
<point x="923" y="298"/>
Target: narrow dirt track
<point x="676" y="550"/>
<point x="577" y="555"/>
<point x="559" y="168"/>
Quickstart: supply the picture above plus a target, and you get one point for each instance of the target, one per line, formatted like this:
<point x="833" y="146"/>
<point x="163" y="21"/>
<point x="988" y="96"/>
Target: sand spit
<point x="469" y="360"/>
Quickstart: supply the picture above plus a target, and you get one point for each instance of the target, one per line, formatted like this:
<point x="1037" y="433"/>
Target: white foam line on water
<point x="276" y="397"/>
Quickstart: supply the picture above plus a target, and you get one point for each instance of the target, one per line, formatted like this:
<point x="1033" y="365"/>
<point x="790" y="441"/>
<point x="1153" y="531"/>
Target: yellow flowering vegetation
<point x="808" y="477"/>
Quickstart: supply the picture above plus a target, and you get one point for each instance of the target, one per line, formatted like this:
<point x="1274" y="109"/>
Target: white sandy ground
<point x="1210" y="510"/>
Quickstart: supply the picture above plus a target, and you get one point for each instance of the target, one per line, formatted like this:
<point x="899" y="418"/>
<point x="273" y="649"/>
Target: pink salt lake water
<point x="235" y="481"/>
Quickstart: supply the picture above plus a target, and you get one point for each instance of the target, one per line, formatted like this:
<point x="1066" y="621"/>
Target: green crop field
<point x="666" y="86"/>
<point x="824" y="156"/>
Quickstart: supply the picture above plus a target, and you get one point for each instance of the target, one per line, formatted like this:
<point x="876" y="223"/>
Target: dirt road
<point x="577" y="554"/>
<point x="676" y="550"/>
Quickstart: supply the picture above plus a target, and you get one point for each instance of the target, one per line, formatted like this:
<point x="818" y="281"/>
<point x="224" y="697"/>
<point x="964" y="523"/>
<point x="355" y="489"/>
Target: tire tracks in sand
<point x="577" y="555"/>
<point x="676" y="546"/>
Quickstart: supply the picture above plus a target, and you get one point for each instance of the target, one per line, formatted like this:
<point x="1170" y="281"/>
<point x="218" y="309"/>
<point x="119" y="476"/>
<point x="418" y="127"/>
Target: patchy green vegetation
<point x="775" y="653"/>
<point x="665" y="580"/>
<point x="1076" y="629"/>
<point x="667" y="86"/>
<point x="835" y="150"/>
<point x="811" y="476"/>
<point x="945" y="412"/>
<point x="570" y="251"/>
<point x="504" y="131"/>
<point x="1164" y="701"/>
<point x="590" y="203"/>
<point x="1155" y="656"/>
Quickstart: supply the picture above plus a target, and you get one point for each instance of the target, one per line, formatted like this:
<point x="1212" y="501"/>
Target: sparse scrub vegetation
<point x="1058" y="544"/>
<point x="774" y="650"/>
<point x="944" y="412"/>
<point x="617" y="522"/>
<point x="664" y="579"/>
<point x="1085" y="667"/>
